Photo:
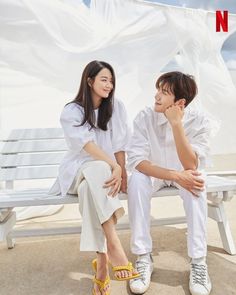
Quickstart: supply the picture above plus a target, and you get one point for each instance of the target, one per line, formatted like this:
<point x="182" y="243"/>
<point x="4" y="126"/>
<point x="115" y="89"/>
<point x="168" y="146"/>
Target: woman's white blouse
<point x="113" y="140"/>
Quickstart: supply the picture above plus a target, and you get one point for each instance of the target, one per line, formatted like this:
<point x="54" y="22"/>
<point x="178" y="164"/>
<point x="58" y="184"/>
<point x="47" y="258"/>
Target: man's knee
<point x="139" y="179"/>
<point x="139" y="186"/>
<point x="194" y="203"/>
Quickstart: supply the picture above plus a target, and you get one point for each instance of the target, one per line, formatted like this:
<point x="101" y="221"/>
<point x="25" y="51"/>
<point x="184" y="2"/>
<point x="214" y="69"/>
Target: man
<point x="169" y="146"/>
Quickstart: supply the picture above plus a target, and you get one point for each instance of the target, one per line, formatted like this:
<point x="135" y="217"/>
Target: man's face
<point x="163" y="99"/>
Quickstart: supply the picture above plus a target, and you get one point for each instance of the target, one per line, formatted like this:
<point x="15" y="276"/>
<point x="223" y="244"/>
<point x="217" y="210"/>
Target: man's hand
<point x="189" y="180"/>
<point x="174" y="114"/>
<point x="123" y="187"/>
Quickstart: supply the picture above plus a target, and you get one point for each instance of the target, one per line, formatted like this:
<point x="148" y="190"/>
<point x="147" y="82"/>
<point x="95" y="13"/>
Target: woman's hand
<point x="115" y="181"/>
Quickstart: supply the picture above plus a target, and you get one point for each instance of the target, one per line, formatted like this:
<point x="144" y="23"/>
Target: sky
<point x="213" y="5"/>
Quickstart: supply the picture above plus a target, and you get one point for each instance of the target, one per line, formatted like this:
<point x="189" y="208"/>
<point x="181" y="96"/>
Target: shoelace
<point x="199" y="274"/>
<point x="141" y="267"/>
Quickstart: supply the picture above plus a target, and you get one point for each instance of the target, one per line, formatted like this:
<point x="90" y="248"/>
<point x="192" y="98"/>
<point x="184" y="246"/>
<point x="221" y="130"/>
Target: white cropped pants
<point x="95" y="205"/>
<point x="140" y="191"/>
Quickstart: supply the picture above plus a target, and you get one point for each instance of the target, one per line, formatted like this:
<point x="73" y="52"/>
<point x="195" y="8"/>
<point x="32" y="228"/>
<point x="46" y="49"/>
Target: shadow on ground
<point x="54" y="266"/>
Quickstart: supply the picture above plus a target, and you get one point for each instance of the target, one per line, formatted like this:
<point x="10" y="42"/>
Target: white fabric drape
<point x="46" y="44"/>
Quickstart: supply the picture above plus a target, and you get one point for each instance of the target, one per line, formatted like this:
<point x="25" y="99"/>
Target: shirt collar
<point x="161" y="119"/>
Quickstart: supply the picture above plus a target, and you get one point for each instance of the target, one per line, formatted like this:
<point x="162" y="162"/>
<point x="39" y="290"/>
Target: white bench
<point x="32" y="154"/>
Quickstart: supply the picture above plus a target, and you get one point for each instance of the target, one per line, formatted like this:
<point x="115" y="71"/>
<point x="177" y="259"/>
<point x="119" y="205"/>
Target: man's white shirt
<point x="153" y="140"/>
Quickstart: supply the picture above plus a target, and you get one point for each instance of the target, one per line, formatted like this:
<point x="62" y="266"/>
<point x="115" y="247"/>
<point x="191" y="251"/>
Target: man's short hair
<point x="179" y="84"/>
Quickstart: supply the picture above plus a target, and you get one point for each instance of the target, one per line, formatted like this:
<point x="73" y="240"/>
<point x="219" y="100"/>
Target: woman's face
<point x="102" y="84"/>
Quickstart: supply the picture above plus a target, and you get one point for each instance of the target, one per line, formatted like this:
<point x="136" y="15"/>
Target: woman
<point x="95" y="128"/>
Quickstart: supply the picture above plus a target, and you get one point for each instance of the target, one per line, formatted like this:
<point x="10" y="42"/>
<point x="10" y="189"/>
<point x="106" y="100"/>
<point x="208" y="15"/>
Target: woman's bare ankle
<point x="117" y="255"/>
<point x="102" y="260"/>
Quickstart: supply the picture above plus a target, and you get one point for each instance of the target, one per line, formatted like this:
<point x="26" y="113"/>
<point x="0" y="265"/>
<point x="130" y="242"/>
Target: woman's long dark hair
<point x="84" y="97"/>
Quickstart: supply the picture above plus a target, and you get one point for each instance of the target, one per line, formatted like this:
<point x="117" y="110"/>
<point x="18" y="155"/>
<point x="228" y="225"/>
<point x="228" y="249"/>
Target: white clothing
<point x="140" y="191"/>
<point x="153" y="141"/>
<point x="95" y="205"/>
<point x="111" y="141"/>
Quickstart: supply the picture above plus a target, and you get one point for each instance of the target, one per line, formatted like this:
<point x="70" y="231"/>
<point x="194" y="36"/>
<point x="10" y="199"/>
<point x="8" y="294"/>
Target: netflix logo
<point x="221" y="21"/>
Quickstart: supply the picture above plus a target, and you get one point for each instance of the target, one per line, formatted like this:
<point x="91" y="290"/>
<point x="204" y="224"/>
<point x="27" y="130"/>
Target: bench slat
<point x="223" y="173"/>
<point x="35" y="200"/>
<point x="39" y="197"/>
<point x="36" y="159"/>
<point x="42" y="172"/>
<point x="220" y="184"/>
<point x="36" y="133"/>
<point x="33" y="146"/>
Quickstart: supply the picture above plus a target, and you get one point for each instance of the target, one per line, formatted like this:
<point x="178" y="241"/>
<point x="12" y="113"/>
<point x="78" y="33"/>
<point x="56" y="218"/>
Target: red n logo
<point x="221" y="21"/>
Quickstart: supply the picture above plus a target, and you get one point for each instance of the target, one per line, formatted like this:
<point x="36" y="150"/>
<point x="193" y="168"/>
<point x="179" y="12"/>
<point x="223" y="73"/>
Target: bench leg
<point x="6" y="227"/>
<point x="217" y="212"/>
<point x="10" y="241"/>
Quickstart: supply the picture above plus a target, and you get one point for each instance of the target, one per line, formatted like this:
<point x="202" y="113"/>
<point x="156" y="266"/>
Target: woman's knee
<point x="103" y="165"/>
<point x="99" y="167"/>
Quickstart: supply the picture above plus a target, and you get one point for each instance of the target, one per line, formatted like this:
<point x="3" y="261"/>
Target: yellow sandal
<point x="101" y="284"/>
<point x="128" y="267"/>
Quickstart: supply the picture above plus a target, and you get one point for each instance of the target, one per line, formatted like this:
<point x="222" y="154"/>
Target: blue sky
<point x="213" y="5"/>
<point x="229" y="5"/>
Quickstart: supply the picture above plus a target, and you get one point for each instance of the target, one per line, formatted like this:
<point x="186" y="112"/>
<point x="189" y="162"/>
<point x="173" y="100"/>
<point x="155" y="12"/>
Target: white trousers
<point x="140" y="191"/>
<point x="95" y="205"/>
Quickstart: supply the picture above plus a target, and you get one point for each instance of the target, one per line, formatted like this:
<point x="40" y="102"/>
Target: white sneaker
<point x="199" y="280"/>
<point x="144" y="265"/>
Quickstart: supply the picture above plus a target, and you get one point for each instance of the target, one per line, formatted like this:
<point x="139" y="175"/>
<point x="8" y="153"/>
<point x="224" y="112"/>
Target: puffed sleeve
<point x="120" y="134"/>
<point x="76" y="136"/>
<point x="200" y="141"/>
<point x="139" y="147"/>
